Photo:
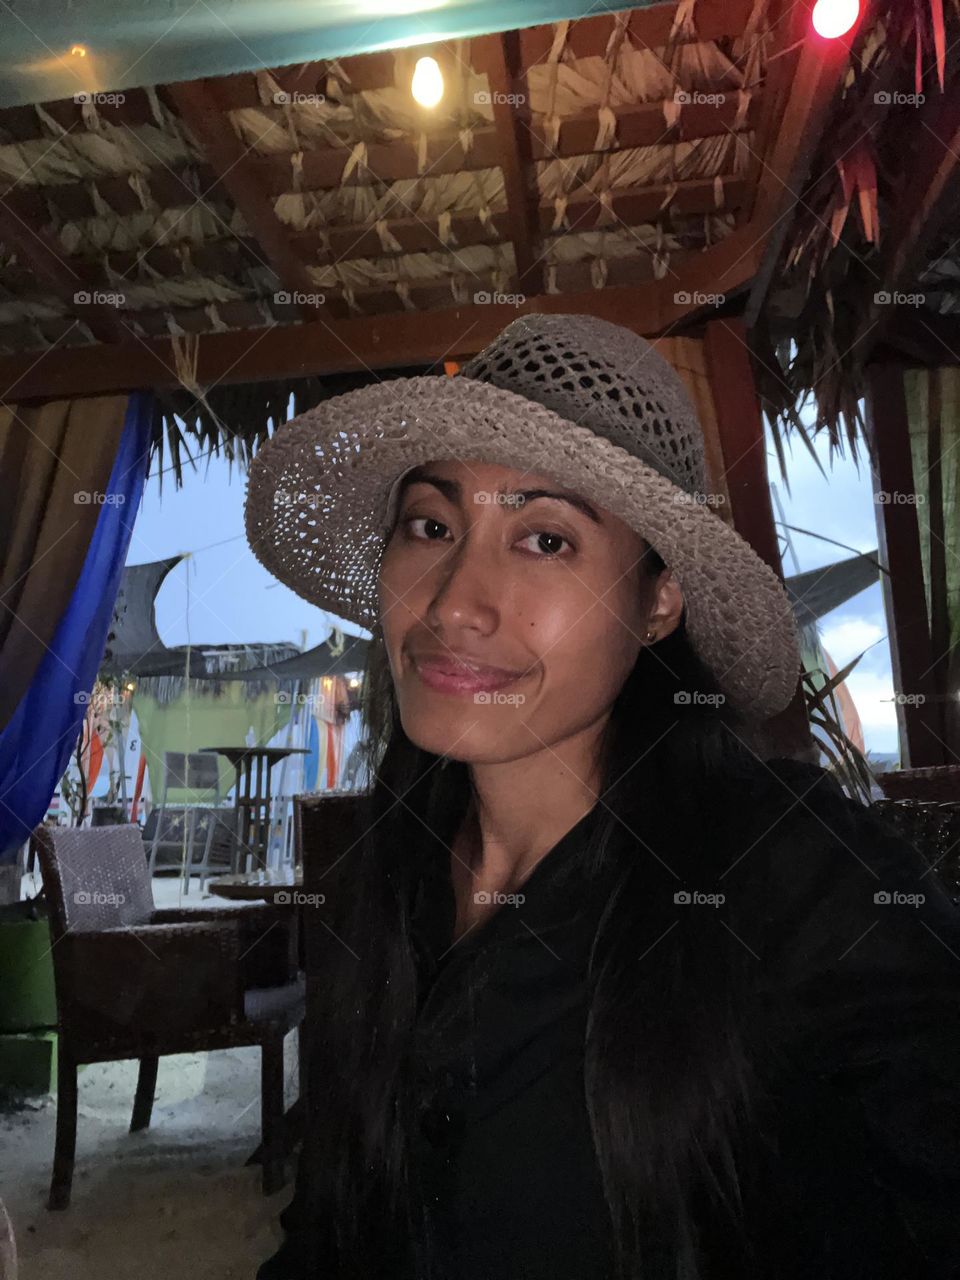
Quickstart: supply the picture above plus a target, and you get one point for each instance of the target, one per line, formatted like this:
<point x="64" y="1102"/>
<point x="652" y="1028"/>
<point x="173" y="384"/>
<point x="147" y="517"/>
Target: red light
<point x="834" y="18"/>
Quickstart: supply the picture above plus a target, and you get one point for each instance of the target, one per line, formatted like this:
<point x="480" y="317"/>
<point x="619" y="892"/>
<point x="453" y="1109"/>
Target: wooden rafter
<point x="375" y="341"/>
<point x="499" y="56"/>
<point x="323" y="170"/>
<point x="37" y="251"/>
<point x="230" y="256"/>
<point x="200" y="110"/>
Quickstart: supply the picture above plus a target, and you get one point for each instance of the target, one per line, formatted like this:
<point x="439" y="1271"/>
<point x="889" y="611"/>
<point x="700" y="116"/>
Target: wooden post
<point x="740" y="428"/>
<point x="904" y="597"/>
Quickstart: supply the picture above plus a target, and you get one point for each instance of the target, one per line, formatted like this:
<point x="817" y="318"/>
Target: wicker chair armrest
<point x="268" y="938"/>
<point x="154" y="981"/>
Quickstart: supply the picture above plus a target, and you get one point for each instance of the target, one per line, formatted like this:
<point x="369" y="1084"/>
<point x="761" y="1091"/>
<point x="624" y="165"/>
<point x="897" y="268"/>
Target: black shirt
<point x="857" y="1176"/>
<point x="508" y="1179"/>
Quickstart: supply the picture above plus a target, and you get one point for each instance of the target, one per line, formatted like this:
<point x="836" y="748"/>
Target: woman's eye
<point x="546" y="544"/>
<point x="410" y="521"/>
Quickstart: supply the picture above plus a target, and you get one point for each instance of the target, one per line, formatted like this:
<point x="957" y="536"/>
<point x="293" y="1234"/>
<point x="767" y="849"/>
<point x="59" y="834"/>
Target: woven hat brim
<point x="318" y="496"/>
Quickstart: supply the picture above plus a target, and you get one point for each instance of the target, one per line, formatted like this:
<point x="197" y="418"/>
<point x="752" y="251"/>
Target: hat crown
<point x="605" y="377"/>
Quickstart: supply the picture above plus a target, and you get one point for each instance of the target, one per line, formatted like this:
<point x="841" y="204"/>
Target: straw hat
<point x="588" y="403"/>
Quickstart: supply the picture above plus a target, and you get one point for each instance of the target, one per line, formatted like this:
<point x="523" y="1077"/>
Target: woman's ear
<point x="666" y="607"/>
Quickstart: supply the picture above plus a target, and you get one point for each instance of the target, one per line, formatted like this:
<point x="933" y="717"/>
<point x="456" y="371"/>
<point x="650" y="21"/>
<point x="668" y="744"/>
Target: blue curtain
<point x="36" y="744"/>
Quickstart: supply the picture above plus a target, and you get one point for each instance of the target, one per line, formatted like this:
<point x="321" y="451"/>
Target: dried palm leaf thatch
<point x="236" y="419"/>
<point x="814" y="336"/>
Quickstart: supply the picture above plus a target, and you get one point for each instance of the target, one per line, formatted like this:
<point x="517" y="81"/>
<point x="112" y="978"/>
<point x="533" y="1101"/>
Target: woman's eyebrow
<point x="451" y="490"/>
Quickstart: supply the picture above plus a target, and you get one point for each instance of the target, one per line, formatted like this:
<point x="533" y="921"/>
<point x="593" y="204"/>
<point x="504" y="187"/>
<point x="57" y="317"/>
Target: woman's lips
<point x="450" y="678"/>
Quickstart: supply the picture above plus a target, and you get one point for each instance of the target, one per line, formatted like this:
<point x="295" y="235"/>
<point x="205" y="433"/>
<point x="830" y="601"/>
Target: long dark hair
<point x="668" y="1091"/>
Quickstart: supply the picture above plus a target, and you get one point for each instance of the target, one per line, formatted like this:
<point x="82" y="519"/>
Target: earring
<point x="651" y="636"/>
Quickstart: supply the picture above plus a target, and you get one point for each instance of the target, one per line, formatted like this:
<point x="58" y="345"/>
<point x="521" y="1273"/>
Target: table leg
<point x="237" y="820"/>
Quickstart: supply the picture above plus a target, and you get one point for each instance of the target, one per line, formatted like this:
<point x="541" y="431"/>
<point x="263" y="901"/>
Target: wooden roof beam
<point x="40" y="254"/>
<point x="375" y="342"/>
<point x="202" y="113"/>
<point x="499" y="58"/>
<point x="641" y="126"/>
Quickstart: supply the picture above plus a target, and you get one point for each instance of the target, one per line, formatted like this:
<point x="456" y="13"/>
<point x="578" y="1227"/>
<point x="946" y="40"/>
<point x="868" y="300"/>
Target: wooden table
<point x="252" y="800"/>
<point x="254" y="886"/>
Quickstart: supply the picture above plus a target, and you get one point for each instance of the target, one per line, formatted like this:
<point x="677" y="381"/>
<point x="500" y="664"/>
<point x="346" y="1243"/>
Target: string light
<point x="427" y="84"/>
<point x="834" y="18"/>
<point x="79" y="51"/>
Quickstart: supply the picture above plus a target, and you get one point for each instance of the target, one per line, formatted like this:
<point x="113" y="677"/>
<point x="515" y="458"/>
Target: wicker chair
<point x="933" y="828"/>
<point x="136" y="982"/>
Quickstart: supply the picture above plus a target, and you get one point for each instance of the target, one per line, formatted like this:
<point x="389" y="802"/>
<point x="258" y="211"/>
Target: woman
<point x="608" y="993"/>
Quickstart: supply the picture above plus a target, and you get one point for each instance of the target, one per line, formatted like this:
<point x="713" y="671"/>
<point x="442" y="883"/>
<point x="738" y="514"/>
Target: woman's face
<point x="551" y="594"/>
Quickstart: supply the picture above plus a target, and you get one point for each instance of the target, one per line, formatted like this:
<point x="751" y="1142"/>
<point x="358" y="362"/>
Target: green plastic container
<point x="28" y="1006"/>
<point x="27" y="995"/>
<point x="28" y="1062"/>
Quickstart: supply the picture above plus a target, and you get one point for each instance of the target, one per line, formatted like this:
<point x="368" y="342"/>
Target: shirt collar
<point x="556" y="892"/>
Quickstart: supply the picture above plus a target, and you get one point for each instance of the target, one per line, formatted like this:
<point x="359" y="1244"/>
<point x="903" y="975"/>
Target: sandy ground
<point x="172" y="1201"/>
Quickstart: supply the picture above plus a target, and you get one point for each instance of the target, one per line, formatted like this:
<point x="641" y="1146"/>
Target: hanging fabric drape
<point x="50" y="703"/>
<point x="56" y="460"/>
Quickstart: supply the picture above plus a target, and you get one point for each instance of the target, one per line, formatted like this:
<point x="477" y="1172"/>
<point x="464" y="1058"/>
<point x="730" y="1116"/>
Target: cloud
<point x="848" y="636"/>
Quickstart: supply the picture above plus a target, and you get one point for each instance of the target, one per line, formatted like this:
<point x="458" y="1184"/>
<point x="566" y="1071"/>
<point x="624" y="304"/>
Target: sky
<point x="222" y="595"/>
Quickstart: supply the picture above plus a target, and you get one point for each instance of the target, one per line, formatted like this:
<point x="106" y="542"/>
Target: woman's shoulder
<point x="829" y="881"/>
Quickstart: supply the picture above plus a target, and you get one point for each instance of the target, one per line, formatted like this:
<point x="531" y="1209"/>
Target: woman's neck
<point x="518" y="812"/>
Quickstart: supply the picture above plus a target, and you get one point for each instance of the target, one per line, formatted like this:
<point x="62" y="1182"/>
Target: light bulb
<point x="427" y="84"/>
<point x="834" y="18"/>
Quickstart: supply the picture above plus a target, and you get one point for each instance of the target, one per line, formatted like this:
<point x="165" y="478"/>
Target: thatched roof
<point x="870" y="266"/>
<point x="563" y="159"/>
<point x="236" y="240"/>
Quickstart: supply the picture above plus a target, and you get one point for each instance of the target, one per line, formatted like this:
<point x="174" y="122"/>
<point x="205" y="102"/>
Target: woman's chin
<point x="467" y="743"/>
